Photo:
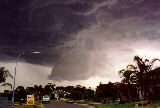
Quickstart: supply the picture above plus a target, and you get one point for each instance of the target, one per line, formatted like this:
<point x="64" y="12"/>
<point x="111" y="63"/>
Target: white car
<point x="46" y="99"/>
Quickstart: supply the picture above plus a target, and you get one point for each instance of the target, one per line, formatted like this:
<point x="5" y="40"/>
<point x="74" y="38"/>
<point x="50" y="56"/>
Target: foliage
<point x="117" y="106"/>
<point x="142" y="103"/>
<point x="106" y="91"/>
<point x="4" y="74"/>
<point x="21" y="93"/>
<point x="122" y="101"/>
<point x="128" y="75"/>
<point x="143" y="66"/>
<point x="82" y="102"/>
<point x="137" y="74"/>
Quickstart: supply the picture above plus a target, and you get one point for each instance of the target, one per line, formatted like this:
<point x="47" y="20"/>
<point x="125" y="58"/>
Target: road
<point x="62" y="105"/>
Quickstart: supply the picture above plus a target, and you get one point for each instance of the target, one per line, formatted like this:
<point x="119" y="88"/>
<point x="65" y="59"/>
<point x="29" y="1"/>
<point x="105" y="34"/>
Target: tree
<point x="49" y="88"/>
<point x="137" y="74"/>
<point x="22" y="94"/>
<point x="143" y="66"/>
<point x="128" y="76"/>
<point x="4" y="74"/>
<point x="105" y="91"/>
<point x="88" y="94"/>
<point x="30" y="90"/>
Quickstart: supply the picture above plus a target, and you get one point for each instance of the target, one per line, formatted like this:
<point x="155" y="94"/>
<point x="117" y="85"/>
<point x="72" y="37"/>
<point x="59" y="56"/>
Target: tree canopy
<point x="4" y="74"/>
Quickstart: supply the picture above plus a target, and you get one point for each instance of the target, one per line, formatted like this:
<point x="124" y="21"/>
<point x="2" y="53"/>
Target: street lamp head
<point x="36" y="52"/>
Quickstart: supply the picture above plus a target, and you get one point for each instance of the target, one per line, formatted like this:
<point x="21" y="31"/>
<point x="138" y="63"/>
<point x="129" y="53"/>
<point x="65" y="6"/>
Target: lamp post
<point x="14" y="78"/>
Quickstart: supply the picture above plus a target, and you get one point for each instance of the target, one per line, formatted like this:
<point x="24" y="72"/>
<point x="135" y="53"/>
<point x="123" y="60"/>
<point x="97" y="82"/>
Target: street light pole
<point x="14" y="78"/>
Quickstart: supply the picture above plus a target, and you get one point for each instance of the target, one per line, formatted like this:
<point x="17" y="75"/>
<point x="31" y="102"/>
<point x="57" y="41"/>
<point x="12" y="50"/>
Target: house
<point x="153" y="84"/>
<point x="116" y="90"/>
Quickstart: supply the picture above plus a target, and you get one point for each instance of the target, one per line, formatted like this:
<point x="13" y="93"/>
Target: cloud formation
<point x="78" y="38"/>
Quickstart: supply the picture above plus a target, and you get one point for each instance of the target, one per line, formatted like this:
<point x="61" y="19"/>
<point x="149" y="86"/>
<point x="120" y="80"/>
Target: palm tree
<point x="137" y="74"/>
<point x="4" y="74"/>
<point x="128" y="76"/>
<point x="143" y="66"/>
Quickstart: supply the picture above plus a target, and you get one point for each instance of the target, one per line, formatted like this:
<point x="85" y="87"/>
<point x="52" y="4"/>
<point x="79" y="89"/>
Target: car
<point x="46" y="99"/>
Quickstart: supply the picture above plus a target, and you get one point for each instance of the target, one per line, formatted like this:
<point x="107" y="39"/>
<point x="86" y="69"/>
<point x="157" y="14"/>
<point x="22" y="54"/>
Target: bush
<point x="106" y="100"/>
<point x="142" y="103"/>
<point x="122" y="101"/>
<point x="109" y="101"/>
<point x="102" y="101"/>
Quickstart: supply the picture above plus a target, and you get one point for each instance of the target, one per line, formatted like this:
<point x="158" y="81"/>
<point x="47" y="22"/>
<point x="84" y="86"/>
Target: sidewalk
<point x="91" y="105"/>
<point x="86" y="105"/>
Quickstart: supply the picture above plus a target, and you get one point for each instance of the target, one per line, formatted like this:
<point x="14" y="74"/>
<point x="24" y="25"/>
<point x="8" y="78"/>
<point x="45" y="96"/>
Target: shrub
<point x="122" y="101"/>
<point x="141" y="103"/>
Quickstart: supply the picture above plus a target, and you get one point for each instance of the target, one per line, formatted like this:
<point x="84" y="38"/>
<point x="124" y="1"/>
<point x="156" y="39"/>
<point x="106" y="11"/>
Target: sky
<point x="81" y="41"/>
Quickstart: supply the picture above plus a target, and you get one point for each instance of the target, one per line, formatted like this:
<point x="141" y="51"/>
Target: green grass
<point x="82" y="102"/>
<point x="155" y="102"/>
<point x="117" y="106"/>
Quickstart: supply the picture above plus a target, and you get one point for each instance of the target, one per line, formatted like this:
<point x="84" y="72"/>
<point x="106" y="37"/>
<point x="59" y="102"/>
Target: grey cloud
<point x="116" y="36"/>
<point x="77" y="37"/>
<point x="73" y="64"/>
<point x="98" y="5"/>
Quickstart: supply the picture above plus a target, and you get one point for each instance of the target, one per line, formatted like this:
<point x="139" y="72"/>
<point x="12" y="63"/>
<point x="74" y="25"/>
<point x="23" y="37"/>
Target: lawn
<point x="117" y="106"/>
<point x="155" y="104"/>
<point x="82" y="102"/>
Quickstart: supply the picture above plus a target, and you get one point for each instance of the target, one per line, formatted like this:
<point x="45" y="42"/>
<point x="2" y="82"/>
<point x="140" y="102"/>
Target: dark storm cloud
<point x="38" y="25"/>
<point x="60" y="29"/>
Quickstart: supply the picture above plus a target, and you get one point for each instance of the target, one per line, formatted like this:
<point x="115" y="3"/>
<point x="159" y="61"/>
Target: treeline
<point x="71" y="92"/>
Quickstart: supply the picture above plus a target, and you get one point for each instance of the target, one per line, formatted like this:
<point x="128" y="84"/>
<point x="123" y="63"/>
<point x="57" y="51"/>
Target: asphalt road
<point x="62" y="105"/>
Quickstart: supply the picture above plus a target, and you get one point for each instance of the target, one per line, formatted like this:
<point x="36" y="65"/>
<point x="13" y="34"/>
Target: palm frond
<point x="153" y="60"/>
<point x="121" y="71"/>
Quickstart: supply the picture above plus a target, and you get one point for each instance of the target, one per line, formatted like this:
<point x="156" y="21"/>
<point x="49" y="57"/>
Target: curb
<point x="88" y="106"/>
